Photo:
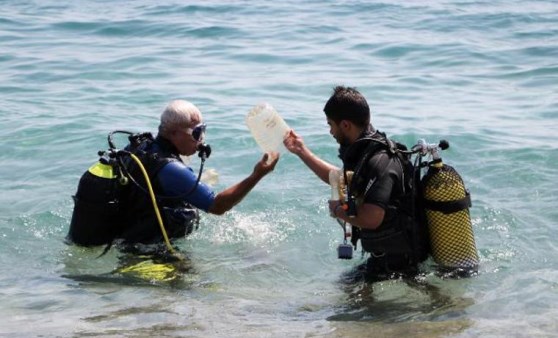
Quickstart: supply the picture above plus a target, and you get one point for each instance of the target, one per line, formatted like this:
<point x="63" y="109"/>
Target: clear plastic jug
<point x="267" y="127"/>
<point x="334" y="180"/>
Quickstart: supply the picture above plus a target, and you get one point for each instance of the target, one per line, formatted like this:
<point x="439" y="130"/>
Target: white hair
<point x="177" y="114"/>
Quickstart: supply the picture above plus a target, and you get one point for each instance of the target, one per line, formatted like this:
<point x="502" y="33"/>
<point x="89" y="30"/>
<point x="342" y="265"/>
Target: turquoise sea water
<point x="482" y="75"/>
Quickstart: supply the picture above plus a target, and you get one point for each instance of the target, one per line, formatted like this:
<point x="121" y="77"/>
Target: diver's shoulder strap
<point x="392" y="147"/>
<point x="153" y="157"/>
<point x="376" y="145"/>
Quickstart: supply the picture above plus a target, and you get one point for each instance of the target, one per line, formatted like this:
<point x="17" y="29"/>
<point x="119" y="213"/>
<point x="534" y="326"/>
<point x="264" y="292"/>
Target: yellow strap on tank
<point x="154" y="201"/>
<point x="102" y="170"/>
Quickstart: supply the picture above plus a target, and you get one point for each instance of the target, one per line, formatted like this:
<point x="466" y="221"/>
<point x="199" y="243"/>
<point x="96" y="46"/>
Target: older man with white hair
<point x="177" y="188"/>
<point x="182" y="132"/>
<point x="181" y="124"/>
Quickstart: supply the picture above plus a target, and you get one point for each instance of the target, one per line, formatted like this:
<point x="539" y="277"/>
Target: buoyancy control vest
<point x="179" y="217"/>
<point x="112" y="201"/>
<point x="400" y="241"/>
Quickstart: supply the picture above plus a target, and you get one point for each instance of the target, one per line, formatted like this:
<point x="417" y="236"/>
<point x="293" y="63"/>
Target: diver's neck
<point x="359" y="133"/>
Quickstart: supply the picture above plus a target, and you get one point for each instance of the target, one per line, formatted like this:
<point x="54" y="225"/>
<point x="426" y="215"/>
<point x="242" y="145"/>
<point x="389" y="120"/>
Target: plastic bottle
<point x="334" y="183"/>
<point x="343" y="185"/>
<point x="334" y="176"/>
<point x="267" y="127"/>
<point x="343" y="192"/>
<point x="210" y="177"/>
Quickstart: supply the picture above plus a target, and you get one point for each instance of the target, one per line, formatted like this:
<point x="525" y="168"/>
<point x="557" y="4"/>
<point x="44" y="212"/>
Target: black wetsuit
<point x="141" y="223"/>
<point x="382" y="178"/>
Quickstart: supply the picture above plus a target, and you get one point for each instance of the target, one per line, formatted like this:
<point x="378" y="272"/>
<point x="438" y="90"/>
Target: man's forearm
<point x="369" y="216"/>
<point x="228" y="198"/>
<point x="320" y="167"/>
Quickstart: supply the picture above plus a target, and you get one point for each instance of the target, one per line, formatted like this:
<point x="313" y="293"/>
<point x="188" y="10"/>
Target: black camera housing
<point x="345" y="251"/>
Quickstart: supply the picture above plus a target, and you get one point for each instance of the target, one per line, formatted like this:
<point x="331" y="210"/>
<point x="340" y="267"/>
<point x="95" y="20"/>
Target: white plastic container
<point x="267" y="127"/>
<point x="334" y="178"/>
<point x="210" y="177"/>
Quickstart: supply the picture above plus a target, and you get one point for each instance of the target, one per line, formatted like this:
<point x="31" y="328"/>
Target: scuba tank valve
<point x="423" y="148"/>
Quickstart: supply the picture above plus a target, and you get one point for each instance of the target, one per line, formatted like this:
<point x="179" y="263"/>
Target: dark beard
<point x="349" y="150"/>
<point x="343" y="141"/>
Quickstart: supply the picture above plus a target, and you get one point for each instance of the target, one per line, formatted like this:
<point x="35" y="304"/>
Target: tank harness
<point x="396" y="245"/>
<point x="431" y="216"/>
<point x="106" y="204"/>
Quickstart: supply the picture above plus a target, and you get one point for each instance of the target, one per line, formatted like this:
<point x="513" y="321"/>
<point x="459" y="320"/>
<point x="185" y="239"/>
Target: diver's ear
<point x="345" y="125"/>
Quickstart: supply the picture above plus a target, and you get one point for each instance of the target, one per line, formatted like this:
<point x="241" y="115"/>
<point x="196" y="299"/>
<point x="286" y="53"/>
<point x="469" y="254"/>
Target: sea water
<point x="482" y="75"/>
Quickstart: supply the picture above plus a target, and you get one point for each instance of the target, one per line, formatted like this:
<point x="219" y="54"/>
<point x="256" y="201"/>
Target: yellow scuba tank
<point x="446" y="204"/>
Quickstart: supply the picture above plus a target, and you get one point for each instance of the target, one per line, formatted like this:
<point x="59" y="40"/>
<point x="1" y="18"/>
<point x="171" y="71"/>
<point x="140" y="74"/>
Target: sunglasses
<point x="198" y="132"/>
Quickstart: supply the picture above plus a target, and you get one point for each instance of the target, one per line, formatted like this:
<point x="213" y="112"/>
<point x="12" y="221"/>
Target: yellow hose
<point x="154" y="201"/>
<point x="162" y="272"/>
